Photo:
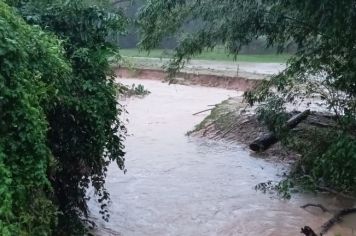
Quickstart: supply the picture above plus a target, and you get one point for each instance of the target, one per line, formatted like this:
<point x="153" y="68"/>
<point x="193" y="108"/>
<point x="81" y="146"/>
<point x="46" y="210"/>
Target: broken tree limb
<point x="324" y="209"/>
<point x="336" y="219"/>
<point x="307" y="231"/>
<point x="295" y="120"/>
<point x="330" y="223"/>
<point x="202" y="111"/>
<point x="265" y="141"/>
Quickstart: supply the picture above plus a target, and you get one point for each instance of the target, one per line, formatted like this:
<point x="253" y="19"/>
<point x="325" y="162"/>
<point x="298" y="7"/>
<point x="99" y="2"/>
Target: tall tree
<point x="81" y="131"/>
<point x="324" y="64"/>
<point x="324" y="31"/>
<point x="29" y="58"/>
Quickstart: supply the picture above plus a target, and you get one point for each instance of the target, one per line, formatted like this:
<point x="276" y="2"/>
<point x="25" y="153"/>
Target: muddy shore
<point x="234" y="121"/>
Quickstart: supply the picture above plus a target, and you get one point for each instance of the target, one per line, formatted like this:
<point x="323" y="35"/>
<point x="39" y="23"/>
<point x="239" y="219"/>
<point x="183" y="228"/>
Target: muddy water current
<point x="182" y="186"/>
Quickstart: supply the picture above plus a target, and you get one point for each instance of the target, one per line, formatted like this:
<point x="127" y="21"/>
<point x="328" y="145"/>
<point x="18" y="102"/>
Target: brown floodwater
<point x="182" y="186"/>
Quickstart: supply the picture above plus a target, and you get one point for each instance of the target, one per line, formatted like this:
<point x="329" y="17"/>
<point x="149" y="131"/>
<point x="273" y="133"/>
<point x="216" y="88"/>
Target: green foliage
<point x="273" y="115"/>
<point x="329" y="162"/>
<point x="336" y="166"/>
<point x="25" y="191"/>
<point x="59" y="114"/>
<point x="323" y="30"/>
<point x="283" y="188"/>
<point x="85" y="132"/>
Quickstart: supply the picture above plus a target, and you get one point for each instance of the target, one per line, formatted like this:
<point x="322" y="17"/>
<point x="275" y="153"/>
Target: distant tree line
<point x="132" y="37"/>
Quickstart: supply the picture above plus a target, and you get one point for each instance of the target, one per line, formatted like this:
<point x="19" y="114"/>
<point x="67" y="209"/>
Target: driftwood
<point x="330" y="223"/>
<point x="307" y="231"/>
<point x="202" y="111"/>
<point x="335" y="219"/>
<point x="265" y="141"/>
<point x="324" y="209"/>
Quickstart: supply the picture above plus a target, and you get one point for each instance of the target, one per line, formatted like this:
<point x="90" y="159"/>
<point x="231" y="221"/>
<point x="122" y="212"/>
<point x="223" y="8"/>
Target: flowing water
<point x="182" y="186"/>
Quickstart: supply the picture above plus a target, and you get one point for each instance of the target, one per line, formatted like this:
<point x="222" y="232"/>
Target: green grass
<point x="216" y="54"/>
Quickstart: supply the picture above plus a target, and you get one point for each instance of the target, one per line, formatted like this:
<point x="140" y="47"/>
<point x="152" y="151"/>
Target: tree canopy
<point x="324" y="32"/>
<point x="323" y="67"/>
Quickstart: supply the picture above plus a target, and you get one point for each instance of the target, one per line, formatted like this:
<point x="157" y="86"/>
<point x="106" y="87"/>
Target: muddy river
<point x="182" y="186"/>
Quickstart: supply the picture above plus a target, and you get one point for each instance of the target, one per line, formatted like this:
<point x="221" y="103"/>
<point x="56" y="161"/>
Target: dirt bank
<point x="233" y="121"/>
<point x="185" y="78"/>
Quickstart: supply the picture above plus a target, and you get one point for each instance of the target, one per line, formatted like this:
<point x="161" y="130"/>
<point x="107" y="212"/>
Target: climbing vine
<point x="59" y="115"/>
<point x="25" y="191"/>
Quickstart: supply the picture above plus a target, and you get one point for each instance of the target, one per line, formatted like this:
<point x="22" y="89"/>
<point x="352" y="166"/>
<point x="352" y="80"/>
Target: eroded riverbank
<point x="179" y="185"/>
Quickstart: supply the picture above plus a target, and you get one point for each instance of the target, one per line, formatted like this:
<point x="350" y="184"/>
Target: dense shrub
<point x="28" y="57"/>
<point x="336" y="166"/>
<point x="85" y="132"/>
<point x="59" y="116"/>
<point x="328" y="162"/>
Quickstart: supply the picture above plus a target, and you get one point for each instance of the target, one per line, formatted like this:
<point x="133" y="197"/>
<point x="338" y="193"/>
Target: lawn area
<point x="216" y="54"/>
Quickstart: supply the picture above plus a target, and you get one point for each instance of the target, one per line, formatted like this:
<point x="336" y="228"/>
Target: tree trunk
<point x="265" y="141"/>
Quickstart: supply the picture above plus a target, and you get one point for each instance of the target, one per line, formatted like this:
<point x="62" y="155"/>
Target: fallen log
<point x="330" y="223"/>
<point x="307" y="231"/>
<point x="324" y="209"/>
<point x="336" y="219"/>
<point x="265" y="141"/>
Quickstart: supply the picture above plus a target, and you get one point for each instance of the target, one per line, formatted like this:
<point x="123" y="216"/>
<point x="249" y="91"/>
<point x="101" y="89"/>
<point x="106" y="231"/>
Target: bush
<point x="330" y="157"/>
<point x="135" y="90"/>
<point x="59" y="115"/>
<point x="336" y="167"/>
<point x="25" y="191"/>
<point x="85" y="132"/>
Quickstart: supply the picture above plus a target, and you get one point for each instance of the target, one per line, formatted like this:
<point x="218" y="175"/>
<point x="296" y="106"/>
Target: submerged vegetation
<point x="59" y="116"/>
<point x="135" y="90"/>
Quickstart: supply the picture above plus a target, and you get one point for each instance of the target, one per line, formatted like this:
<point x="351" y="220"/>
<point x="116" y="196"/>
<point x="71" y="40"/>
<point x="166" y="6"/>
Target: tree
<point x="26" y="206"/>
<point x="323" y="30"/>
<point x="324" y="64"/>
<point x="69" y="90"/>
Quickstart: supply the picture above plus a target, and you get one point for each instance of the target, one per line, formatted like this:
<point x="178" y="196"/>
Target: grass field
<point x="216" y="54"/>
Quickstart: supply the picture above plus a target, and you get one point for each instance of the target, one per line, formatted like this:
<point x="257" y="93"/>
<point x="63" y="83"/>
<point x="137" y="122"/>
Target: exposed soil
<point x="234" y="121"/>
<point x="240" y="76"/>
<point x="185" y="78"/>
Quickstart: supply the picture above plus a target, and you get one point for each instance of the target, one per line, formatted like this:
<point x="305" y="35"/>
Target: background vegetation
<point x="132" y="38"/>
